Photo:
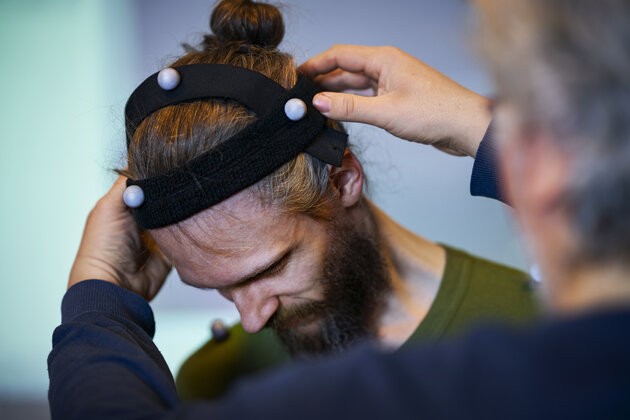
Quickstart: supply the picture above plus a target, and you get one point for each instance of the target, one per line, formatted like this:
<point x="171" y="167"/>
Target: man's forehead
<point x="240" y="227"/>
<point x="236" y="236"/>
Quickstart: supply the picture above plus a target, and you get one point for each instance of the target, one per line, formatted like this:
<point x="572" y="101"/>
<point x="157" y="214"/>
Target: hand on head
<point x="114" y="249"/>
<point x="412" y="100"/>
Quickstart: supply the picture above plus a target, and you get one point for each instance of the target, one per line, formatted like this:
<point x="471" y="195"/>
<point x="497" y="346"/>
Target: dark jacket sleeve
<point x="484" y="180"/>
<point x="104" y="365"/>
<point x="103" y="359"/>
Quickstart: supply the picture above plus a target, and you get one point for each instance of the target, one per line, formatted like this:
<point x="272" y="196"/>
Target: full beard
<point x="355" y="282"/>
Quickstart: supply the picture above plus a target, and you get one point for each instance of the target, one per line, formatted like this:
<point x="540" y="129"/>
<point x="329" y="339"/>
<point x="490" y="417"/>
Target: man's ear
<point x="347" y="180"/>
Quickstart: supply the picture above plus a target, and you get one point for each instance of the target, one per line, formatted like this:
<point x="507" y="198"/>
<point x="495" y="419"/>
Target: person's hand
<point x="413" y="101"/>
<point x="115" y="249"/>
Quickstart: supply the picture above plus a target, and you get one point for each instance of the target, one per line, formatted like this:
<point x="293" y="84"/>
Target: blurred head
<point x="297" y="251"/>
<point x="562" y="69"/>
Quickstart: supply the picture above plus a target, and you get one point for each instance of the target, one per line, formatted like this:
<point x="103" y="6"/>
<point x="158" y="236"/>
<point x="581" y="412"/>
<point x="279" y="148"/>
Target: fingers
<point x="339" y="80"/>
<point x="351" y="108"/>
<point x="119" y="185"/>
<point x="351" y="58"/>
<point x="115" y="194"/>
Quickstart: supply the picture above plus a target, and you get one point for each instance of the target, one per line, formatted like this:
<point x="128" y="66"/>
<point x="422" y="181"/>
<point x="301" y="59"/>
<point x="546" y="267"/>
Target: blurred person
<point x="564" y="141"/>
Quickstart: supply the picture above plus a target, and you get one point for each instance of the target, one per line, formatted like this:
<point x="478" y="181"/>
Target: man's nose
<point x="255" y="305"/>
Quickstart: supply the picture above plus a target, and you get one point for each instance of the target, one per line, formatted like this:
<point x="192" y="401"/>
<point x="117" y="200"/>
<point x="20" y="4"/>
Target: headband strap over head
<point x="258" y="150"/>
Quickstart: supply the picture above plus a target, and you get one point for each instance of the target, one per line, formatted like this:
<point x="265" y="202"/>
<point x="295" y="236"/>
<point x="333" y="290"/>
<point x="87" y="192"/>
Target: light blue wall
<point x="67" y="69"/>
<point x="60" y="107"/>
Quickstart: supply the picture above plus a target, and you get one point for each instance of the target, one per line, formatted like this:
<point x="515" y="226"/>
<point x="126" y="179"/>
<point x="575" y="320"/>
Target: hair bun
<point x="249" y="22"/>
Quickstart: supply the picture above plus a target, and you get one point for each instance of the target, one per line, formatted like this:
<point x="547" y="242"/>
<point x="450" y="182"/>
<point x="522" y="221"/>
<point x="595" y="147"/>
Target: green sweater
<point x="472" y="290"/>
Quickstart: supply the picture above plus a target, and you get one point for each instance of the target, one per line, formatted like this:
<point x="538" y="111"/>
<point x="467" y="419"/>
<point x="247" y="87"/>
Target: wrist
<point x="478" y="126"/>
<point x="473" y="125"/>
<point x="89" y="268"/>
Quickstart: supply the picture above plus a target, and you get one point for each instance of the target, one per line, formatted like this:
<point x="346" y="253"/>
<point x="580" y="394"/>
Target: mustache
<point x="286" y="318"/>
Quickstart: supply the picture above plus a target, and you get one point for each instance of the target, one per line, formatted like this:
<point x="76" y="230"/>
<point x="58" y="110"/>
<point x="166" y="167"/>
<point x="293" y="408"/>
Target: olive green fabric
<point x="216" y="365"/>
<point x="475" y="290"/>
<point x="472" y="290"/>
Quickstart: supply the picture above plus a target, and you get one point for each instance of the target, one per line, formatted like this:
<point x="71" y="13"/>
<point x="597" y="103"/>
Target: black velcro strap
<point x="239" y="162"/>
<point x="202" y="81"/>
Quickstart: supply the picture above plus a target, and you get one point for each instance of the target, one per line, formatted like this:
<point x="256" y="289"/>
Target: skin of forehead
<point x="239" y="234"/>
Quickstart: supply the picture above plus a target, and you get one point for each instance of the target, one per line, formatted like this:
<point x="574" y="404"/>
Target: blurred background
<point x="67" y="70"/>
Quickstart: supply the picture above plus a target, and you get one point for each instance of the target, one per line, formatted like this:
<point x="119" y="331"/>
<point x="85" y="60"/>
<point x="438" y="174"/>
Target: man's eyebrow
<point x="266" y="267"/>
<point x="282" y="256"/>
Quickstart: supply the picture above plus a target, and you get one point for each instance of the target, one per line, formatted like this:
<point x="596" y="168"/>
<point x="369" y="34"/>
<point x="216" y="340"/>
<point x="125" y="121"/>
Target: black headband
<point x="242" y="160"/>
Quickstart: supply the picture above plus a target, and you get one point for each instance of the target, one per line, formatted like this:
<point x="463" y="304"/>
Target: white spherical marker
<point x="133" y="196"/>
<point x="169" y="78"/>
<point x="295" y="109"/>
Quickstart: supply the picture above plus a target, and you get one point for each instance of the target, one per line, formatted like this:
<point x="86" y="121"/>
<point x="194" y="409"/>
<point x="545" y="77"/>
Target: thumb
<point x="114" y="196"/>
<point x="350" y="108"/>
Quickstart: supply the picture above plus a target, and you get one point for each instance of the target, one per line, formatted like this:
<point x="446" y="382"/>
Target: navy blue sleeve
<point x="484" y="180"/>
<point x="104" y="365"/>
<point x="105" y="340"/>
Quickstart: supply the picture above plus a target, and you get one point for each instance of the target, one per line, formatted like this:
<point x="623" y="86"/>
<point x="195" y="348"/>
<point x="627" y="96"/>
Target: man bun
<point x="248" y="23"/>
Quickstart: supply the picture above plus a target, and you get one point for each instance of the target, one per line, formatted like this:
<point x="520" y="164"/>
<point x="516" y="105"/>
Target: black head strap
<point x="242" y="160"/>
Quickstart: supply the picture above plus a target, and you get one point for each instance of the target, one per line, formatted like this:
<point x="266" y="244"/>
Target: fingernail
<point x="322" y="102"/>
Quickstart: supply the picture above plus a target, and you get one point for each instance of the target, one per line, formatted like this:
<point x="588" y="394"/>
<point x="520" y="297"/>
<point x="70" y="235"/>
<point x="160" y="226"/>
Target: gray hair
<point x="565" y="64"/>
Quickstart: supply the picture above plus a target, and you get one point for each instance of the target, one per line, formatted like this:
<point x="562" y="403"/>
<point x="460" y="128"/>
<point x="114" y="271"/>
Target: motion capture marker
<point x="534" y="273"/>
<point x="169" y="78"/>
<point x="220" y="332"/>
<point x="295" y="109"/>
<point x="133" y="196"/>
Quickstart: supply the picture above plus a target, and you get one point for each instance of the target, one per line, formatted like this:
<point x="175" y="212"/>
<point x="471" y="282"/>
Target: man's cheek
<point x="297" y="290"/>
